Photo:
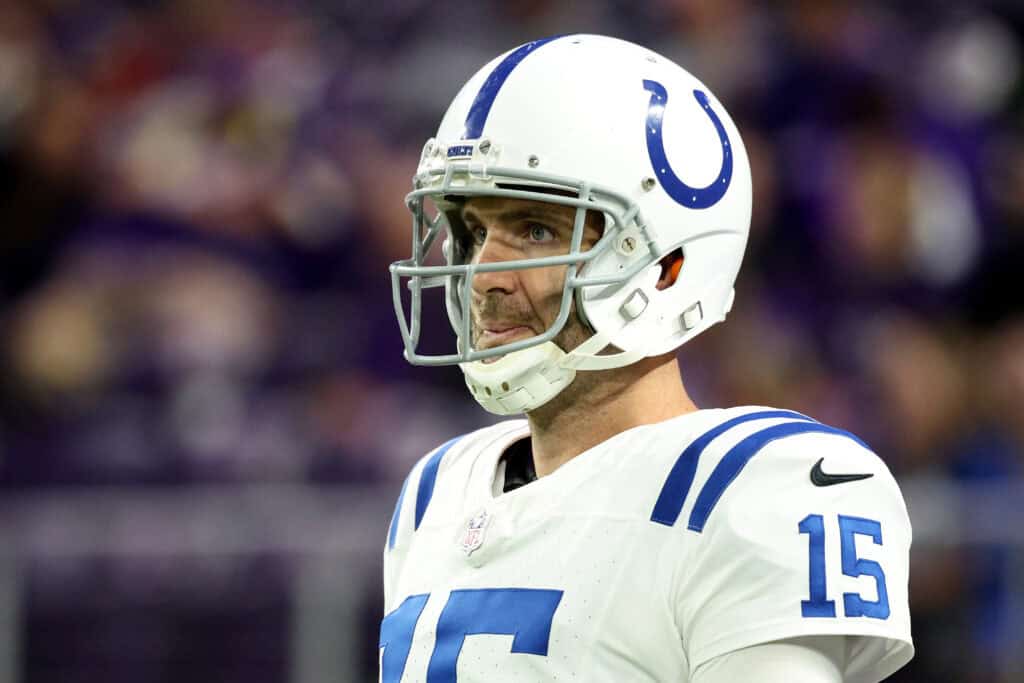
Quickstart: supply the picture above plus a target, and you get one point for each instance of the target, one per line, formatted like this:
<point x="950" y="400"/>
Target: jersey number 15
<point x="853" y="604"/>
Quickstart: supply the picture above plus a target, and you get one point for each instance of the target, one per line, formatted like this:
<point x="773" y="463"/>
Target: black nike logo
<point x="819" y="478"/>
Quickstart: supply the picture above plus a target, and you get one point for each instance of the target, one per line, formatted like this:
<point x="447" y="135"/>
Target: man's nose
<point x="490" y="252"/>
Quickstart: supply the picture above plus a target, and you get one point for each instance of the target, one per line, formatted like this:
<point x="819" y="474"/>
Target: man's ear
<point x="671" y="264"/>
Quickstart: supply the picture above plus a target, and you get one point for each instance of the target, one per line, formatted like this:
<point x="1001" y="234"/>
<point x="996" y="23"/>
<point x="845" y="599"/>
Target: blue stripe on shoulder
<point x="428" y="478"/>
<point x="481" y="107"/>
<point x="736" y="459"/>
<point x="393" y="531"/>
<point x="680" y="478"/>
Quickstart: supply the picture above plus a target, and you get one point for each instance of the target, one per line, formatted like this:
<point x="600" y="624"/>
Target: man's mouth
<point x="490" y="338"/>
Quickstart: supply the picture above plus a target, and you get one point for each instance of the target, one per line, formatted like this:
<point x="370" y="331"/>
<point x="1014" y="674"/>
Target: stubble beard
<point x="572" y="334"/>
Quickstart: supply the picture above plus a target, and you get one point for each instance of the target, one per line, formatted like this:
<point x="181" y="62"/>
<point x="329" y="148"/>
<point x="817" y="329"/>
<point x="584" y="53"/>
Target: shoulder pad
<point x="726" y="449"/>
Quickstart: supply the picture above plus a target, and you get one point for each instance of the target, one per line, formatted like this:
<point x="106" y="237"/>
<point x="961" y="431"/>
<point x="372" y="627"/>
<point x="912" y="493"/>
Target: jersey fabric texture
<point x="645" y="556"/>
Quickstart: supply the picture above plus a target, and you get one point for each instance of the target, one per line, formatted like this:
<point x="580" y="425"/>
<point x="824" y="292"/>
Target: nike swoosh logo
<point x="820" y="478"/>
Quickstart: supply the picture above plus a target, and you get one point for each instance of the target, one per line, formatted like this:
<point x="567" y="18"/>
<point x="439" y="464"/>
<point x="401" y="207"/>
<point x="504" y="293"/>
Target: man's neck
<point x="599" y="405"/>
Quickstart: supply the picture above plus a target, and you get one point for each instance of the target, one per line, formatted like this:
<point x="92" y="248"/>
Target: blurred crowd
<point x="200" y="201"/>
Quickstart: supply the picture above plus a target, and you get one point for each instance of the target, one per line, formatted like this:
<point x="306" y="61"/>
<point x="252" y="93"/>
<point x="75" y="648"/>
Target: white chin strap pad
<point x="519" y="381"/>
<point x="523" y="380"/>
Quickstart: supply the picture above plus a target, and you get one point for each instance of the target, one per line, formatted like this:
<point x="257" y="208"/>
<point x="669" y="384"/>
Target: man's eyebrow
<point x="513" y="215"/>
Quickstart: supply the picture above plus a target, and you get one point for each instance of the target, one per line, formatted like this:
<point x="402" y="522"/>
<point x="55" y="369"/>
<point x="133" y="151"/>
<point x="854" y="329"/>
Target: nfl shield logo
<point x="473" y="536"/>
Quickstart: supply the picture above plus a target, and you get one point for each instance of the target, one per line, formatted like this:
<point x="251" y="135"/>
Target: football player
<point x="592" y="200"/>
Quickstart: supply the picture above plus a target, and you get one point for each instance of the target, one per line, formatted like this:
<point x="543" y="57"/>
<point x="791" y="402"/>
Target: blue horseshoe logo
<point x="690" y="197"/>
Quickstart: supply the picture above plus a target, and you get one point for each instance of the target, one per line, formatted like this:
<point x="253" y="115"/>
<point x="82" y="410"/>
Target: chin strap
<point x="523" y="380"/>
<point x="585" y="356"/>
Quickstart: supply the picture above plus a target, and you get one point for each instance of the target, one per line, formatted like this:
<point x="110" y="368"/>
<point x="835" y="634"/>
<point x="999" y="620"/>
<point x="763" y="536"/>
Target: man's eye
<point x="540" y="233"/>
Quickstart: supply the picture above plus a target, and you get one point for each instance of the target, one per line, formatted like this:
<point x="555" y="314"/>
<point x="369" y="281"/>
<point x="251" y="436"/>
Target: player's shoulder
<point x="781" y="513"/>
<point x="760" y="451"/>
<point x="803" y="464"/>
<point x="448" y="465"/>
<point x="785" y="443"/>
<point x="738" y="434"/>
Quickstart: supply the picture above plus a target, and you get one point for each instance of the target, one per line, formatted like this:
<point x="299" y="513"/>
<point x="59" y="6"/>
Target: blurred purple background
<point x="204" y="411"/>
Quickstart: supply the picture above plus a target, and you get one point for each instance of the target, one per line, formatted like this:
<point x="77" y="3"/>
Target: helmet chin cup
<point x="519" y="381"/>
<point x="522" y="381"/>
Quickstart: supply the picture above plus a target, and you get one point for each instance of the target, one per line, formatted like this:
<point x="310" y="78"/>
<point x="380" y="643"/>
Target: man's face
<point x="517" y="304"/>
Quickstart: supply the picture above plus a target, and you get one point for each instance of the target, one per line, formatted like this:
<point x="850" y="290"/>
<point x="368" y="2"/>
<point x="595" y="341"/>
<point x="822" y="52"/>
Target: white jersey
<point x="646" y="556"/>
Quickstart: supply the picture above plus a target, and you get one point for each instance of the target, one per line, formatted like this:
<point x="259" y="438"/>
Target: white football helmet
<point x="595" y="123"/>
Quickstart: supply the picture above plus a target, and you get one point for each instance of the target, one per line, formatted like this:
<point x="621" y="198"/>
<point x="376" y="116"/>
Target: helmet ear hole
<point x="671" y="264"/>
